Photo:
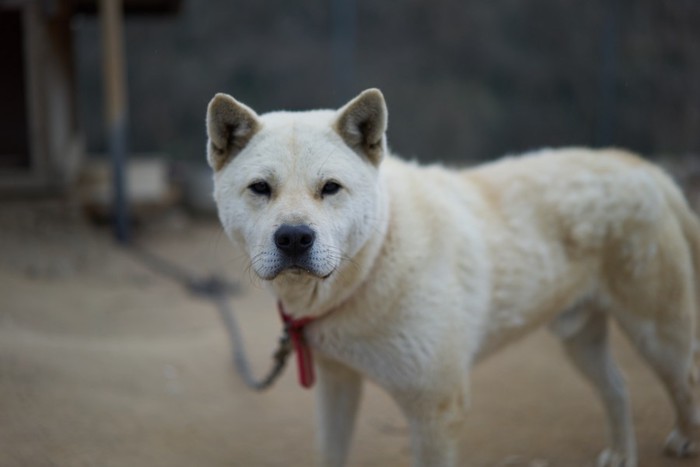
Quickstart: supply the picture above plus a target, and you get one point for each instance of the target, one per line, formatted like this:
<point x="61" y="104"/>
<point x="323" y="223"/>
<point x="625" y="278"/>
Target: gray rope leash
<point x="217" y="290"/>
<point x="240" y="359"/>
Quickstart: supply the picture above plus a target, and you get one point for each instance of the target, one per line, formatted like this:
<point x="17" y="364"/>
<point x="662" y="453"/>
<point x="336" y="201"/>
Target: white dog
<point x="413" y="274"/>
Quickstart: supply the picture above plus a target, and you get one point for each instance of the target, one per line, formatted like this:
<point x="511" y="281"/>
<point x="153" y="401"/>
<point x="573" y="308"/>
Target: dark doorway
<point x="14" y="135"/>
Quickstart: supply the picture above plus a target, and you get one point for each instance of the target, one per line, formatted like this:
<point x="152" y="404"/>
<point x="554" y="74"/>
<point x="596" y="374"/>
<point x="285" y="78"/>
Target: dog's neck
<point x="306" y="296"/>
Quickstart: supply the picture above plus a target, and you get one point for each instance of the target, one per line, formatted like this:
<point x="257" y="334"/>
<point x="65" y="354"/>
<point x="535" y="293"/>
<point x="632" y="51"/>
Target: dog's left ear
<point x="362" y="124"/>
<point x="230" y="125"/>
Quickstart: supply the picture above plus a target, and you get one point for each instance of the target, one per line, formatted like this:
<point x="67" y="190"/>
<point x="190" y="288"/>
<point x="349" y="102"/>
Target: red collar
<point x="295" y="330"/>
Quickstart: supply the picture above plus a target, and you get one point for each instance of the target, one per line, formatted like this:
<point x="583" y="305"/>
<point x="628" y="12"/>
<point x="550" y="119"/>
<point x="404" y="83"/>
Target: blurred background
<point x="464" y="81"/>
<point x="105" y="362"/>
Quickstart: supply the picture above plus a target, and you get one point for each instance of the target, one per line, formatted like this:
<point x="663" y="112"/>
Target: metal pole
<point x="605" y="131"/>
<point x="114" y="77"/>
<point x="343" y="32"/>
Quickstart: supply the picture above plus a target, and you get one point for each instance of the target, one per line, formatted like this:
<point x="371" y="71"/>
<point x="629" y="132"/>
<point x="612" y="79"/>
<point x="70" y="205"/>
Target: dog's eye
<point x="330" y="188"/>
<point x="260" y="188"/>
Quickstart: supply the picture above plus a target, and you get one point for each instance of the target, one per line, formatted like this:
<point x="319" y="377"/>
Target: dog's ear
<point x="362" y="124"/>
<point x="230" y="125"/>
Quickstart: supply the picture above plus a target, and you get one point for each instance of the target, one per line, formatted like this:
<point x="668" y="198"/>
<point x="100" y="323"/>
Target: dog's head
<point x="298" y="191"/>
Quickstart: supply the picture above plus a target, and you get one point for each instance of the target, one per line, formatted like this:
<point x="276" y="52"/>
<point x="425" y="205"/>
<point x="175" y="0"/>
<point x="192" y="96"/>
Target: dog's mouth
<point x="293" y="272"/>
<point x="297" y="269"/>
<point x="300" y="270"/>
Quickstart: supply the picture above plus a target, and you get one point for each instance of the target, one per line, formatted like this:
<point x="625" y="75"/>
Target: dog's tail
<point x="691" y="231"/>
<point x="690" y="226"/>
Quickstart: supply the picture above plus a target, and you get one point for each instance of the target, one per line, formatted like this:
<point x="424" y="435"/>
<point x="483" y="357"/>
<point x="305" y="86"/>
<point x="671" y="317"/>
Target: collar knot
<point x="295" y="330"/>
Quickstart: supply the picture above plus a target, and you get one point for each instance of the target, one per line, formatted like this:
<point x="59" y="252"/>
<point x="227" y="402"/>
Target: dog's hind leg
<point x="667" y="345"/>
<point x="338" y="396"/>
<point x="584" y="333"/>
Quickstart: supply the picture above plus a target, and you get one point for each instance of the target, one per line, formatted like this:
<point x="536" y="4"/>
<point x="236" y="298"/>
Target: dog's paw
<point x="679" y="445"/>
<point x="613" y="458"/>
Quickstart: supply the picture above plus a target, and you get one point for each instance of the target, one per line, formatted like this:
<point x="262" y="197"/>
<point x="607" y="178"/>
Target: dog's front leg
<point x="434" y="443"/>
<point x="339" y="389"/>
<point x="435" y="424"/>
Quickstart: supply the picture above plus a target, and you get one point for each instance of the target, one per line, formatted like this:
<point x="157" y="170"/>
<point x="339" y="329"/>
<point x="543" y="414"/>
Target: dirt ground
<point x="105" y="363"/>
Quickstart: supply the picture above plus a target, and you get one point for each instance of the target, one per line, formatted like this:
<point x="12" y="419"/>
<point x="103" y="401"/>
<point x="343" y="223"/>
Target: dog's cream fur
<point x="417" y="273"/>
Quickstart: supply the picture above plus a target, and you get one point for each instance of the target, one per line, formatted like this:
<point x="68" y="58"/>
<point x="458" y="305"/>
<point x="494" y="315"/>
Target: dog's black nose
<point x="294" y="239"/>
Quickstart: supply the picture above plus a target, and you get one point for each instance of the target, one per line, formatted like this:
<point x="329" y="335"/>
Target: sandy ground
<point x="104" y="363"/>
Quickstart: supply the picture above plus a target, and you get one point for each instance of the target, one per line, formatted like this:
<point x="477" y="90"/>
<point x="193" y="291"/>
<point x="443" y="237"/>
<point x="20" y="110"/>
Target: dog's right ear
<point x="362" y="124"/>
<point x="230" y="125"/>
